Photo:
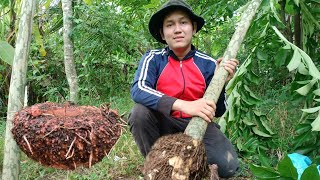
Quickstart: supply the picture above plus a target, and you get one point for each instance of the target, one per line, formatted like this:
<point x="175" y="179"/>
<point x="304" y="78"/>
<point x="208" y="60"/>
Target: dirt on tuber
<point x="176" y="157"/>
<point x="66" y="136"/>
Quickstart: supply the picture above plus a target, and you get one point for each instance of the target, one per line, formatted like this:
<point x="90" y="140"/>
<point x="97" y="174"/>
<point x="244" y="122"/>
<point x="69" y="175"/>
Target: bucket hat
<point x="156" y="20"/>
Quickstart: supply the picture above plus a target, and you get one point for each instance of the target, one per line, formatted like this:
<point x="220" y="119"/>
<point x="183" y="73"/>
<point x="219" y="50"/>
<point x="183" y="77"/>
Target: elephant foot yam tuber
<point x="177" y="157"/>
<point x="66" y="136"/>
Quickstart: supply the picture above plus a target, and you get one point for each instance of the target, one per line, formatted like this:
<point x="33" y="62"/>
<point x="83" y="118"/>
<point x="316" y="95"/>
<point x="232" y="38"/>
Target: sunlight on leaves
<point x="316" y="124"/>
<point x="295" y="61"/>
<point x="6" y="52"/>
<point x="311" y="110"/>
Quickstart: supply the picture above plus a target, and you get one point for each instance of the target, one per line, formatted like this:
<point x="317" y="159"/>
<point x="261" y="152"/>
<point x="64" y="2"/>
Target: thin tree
<point x="69" y="64"/>
<point x="11" y="162"/>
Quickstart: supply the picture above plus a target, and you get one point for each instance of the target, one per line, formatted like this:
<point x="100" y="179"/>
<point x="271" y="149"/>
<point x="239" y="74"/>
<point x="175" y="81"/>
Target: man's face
<point x="178" y="31"/>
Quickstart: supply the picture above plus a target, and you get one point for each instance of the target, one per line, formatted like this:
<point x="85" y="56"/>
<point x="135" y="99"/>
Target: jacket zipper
<point x="184" y="83"/>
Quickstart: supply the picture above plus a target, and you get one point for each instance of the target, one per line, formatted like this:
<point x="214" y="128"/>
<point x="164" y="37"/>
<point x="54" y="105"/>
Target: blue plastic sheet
<point x="301" y="162"/>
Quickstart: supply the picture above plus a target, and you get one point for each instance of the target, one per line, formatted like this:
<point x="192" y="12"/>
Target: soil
<point x="66" y="136"/>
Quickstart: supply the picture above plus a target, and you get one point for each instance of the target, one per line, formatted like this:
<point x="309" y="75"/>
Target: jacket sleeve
<point x="143" y="89"/>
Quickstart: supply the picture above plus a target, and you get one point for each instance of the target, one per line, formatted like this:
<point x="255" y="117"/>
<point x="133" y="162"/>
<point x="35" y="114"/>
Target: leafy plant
<point x="284" y="170"/>
<point x="6" y="52"/>
<point x="245" y="124"/>
<point x="6" y="59"/>
<point x="307" y="85"/>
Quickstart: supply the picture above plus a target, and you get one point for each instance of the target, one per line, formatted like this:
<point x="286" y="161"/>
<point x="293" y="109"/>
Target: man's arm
<point x="202" y="108"/>
<point x="143" y="90"/>
<point x="206" y="109"/>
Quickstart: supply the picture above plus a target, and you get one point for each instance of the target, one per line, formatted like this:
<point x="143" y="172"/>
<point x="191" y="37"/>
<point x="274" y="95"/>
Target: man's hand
<point x="230" y="66"/>
<point x="202" y="108"/>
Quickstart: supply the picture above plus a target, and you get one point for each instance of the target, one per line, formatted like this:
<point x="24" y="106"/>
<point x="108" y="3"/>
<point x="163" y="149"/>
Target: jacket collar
<point x="190" y="54"/>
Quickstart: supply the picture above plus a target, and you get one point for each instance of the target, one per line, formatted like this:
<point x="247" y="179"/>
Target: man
<point x="169" y="85"/>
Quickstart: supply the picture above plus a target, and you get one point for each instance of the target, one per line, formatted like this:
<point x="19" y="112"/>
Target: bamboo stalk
<point x="197" y="126"/>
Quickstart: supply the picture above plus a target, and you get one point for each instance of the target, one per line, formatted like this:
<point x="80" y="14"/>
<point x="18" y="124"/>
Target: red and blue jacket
<point x="162" y="78"/>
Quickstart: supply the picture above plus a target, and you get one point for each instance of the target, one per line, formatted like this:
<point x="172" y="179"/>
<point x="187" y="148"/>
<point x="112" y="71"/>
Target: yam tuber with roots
<point x="66" y="136"/>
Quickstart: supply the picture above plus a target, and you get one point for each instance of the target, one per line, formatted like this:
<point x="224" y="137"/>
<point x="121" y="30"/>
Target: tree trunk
<point x="283" y="11"/>
<point x="297" y="29"/>
<point x="69" y="64"/>
<point x="11" y="160"/>
<point x="197" y="126"/>
<point x="286" y="20"/>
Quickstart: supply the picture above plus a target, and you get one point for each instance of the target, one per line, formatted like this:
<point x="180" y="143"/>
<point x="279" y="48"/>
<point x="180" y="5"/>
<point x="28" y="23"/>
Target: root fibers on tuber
<point x="177" y="157"/>
<point x="66" y="136"/>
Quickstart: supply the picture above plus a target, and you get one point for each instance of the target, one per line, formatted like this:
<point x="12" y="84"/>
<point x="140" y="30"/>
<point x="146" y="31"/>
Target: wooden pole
<point x="11" y="162"/>
<point x="197" y="126"/>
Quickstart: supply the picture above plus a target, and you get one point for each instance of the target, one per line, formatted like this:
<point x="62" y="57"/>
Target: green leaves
<point x="295" y="61"/>
<point x="316" y="124"/>
<point x="301" y="61"/>
<point x="4" y="3"/>
<point x="262" y="55"/>
<point x="311" y="110"/>
<point x="298" y="57"/>
<point x="274" y="11"/>
<point x="249" y="126"/>
<point x="311" y="173"/>
<point x="305" y="140"/>
<point x="264" y="172"/>
<point x="285" y="170"/>
<point x="304" y="90"/>
<point x="39" y="40"/>
<point x="6" y="52"/>
<point x="281" y="57"/>
<point x="89" y="2"/>
<point x="260" y="133"/>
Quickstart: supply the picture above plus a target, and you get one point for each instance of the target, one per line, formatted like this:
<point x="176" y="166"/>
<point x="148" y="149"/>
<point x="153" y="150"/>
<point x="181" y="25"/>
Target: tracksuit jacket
<point x="162" y="78"/>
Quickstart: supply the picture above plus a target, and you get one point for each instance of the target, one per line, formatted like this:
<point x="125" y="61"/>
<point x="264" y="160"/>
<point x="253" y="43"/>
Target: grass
<point x="283" y="116"/>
